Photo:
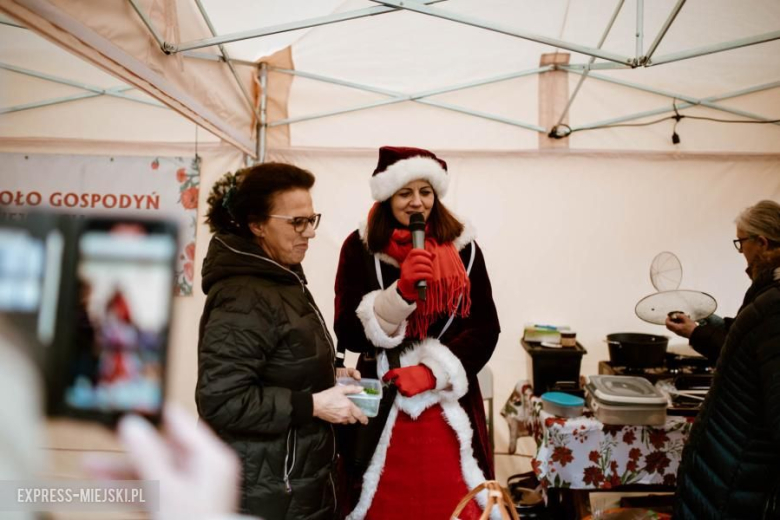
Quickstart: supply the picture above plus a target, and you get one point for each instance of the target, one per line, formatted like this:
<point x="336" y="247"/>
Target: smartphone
<point x="118" y="302"/>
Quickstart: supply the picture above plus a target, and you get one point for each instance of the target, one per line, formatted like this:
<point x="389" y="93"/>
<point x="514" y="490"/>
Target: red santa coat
<point x="455" y="359"/>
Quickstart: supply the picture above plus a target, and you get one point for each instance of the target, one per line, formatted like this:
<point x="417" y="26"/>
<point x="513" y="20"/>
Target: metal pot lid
<point x="656" y="307"/>
<point x="625" y="390"/>
<point x="666" y="271"/>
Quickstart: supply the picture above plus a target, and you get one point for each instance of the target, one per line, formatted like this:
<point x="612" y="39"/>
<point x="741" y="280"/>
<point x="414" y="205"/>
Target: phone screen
<point x="123" y="292"/>
<point x="21" y="271"/>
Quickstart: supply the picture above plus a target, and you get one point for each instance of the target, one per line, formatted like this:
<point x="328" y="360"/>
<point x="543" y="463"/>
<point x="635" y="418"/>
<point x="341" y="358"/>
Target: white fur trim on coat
<point x="374" y="332"/>
<point x="444" y="364"/>
<point x="397" y="175"/>
<point x="428" y="351"/>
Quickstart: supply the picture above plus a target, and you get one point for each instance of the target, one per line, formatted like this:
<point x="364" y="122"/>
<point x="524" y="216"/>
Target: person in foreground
<point x="731" y="463"/>
<point x="434" y="446"/>
<point x="266" y="361"/>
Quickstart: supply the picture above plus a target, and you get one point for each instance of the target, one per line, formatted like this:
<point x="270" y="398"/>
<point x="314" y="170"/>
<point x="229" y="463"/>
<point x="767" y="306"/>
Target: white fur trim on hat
<point x="374" y="333"/>
<point x="385" y="183"/>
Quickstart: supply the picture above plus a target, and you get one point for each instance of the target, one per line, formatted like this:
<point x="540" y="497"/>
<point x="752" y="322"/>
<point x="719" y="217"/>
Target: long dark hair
<point x="441" y="225"/>
<point x="236" y="200"/>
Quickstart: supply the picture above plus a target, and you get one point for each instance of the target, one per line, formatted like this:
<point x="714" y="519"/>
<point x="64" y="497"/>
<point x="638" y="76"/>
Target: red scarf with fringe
<point x="450" y="281"/>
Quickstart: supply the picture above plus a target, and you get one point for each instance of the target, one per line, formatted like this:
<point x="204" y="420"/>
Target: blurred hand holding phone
<point x="94" y="296"/>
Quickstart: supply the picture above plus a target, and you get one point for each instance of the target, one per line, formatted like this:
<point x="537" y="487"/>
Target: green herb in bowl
<point x="371" y="391"/>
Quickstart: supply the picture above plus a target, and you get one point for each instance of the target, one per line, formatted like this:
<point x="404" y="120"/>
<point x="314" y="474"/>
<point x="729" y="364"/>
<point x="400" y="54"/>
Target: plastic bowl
<point x="562" y="405"/>
<point x="368" y="402"/>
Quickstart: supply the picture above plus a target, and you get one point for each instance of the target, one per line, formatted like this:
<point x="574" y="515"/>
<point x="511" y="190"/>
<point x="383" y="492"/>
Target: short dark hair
<point x="236" y="200"/>
<point x="442" y="225"/>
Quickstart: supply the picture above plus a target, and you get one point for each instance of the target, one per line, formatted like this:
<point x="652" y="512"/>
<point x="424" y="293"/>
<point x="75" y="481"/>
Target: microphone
<point x="417" y="227"/>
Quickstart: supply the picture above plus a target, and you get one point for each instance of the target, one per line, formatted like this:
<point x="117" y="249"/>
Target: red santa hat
<point x="398" y="166"/>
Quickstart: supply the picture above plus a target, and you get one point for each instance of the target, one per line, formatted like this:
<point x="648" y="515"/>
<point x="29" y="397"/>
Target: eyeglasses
<point x="299" y="224"/>
<point x="738" y="241"/>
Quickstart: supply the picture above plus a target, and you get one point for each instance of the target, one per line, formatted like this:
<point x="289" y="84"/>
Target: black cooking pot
<point x="635" y="350"/>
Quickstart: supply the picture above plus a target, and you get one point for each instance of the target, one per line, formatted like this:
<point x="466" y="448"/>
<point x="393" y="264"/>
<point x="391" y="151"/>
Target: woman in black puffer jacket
<point x="731" y="464"/>
<point x="266" y="362"/>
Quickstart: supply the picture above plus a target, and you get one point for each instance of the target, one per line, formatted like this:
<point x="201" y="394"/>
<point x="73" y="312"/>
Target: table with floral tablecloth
<point x="583" y="453"/>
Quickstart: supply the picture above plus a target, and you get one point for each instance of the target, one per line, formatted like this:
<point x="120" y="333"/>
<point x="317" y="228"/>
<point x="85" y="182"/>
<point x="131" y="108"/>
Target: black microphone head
<point x="416" y="222"/>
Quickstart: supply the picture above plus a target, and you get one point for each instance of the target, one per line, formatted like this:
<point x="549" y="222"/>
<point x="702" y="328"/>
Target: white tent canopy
<point x="569" y="226"/>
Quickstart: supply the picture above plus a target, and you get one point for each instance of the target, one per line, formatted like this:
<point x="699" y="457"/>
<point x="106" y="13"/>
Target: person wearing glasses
<point x="754" y="235"/>
<point x="731" y="464"/>
<point x="431" y="446"/>
<point x="266" y="361"/>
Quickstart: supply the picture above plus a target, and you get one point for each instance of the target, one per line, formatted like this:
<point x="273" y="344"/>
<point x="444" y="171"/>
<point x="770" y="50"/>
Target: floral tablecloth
<point x="583" y="453"/>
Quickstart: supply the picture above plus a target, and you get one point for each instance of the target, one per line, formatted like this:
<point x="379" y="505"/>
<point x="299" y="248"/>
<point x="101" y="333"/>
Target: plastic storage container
<point x="369" y="399"/>
<point x="562" y="405"/>
<point x="626" y="400"/>
<point x="548" y="366"/>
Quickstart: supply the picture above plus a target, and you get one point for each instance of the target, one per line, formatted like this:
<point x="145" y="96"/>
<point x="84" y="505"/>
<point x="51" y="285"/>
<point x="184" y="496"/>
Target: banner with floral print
<point x="82" y="185"/>
<point x="583" y="453"/>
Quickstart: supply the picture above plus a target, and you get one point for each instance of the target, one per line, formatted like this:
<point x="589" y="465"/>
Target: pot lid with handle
<point x="655" y="308"/>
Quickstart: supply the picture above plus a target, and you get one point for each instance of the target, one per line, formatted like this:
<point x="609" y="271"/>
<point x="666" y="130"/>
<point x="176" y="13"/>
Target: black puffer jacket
<point x="263" y="351"/>
<point x="731" y="464"/>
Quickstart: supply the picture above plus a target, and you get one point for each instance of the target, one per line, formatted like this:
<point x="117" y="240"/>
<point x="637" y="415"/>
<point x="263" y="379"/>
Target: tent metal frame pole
<point x="114" y="91"/>
<point x="603" y="38"/>
<point x="249" y="101"/>
<point x="63" y="100"/>
<point x="398" y="97"/>
<point x="417" y="95"/>
<point x="662" y="32"/>
<point x="148" y="23"/>
<point x="285" y="27"/>
<point x="708" y="102"/>
<point x="608" y="65"/>
<point x="4" y="20"/>
<point x="410" y="5"/>
<point x="640" y="29"/>
<point x="263" y="130"/>
<point x="215" y="57"/>
<point x="712" y="49"/>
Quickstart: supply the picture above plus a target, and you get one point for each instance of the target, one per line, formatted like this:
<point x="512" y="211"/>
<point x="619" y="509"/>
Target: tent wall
<point x="568" y="237"/>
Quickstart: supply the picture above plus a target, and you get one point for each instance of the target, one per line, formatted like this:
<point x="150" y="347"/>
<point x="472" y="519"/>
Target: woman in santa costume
<point x="434" y="445"/>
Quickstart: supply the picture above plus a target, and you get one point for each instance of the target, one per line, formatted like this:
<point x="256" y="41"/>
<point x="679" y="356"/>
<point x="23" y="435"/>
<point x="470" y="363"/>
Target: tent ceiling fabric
<point x="405" y="60"/>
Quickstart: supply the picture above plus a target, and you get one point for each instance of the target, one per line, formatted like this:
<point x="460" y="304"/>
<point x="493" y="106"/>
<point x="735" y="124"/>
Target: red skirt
<point x="422" y="475"/>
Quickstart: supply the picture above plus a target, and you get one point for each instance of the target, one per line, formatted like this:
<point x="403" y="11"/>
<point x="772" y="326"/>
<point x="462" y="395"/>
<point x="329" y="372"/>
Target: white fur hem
<point x="430" y="352"/>
<point x="397" y="175"/>
<point x="456" y="417"/>
<point x="374" y="332"/>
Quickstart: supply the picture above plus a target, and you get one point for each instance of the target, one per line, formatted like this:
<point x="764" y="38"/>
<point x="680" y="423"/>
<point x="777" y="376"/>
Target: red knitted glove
<point x="417" y="266"/>
<point x="411" y="380"/>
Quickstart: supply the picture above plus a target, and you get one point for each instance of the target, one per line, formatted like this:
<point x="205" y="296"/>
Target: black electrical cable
<point x="677" y="117"/>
